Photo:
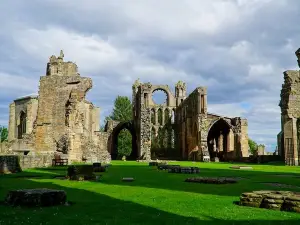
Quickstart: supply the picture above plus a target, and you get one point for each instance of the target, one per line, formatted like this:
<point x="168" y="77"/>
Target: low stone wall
<point x="9" y="164"/>
<point x="3" y="147"/>
<point x="32" y="161"/>
<point x="15" y="163"/>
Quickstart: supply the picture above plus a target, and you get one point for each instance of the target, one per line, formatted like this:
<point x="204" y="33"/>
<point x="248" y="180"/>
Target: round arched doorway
<point x="218" y="139"/>
<point x="114" y="140"/>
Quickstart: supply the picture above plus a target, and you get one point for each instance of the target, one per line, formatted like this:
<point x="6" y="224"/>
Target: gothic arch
<point x="215" y="121"/>
<point x="217" y="138"/>
<point x="113" y="143"/>
<point x="22" y="124"/>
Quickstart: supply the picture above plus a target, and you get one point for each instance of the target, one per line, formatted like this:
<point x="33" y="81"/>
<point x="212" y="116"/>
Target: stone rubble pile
<point x="277" y="200"/>
<point x="212" y="180"/>
<point x="36" y="197"/>
<point x="178" y="169"/>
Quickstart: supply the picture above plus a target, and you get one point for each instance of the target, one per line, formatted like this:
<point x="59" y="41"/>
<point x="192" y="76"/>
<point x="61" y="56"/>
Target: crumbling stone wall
<point x="192" y="122"/>
<point x="151" y="118"/>
<point x="59" y="119"/>
<point x="288" y="138"/>
<point x="16" y="163"/>
<point x="9" y="164"/>
<point x="4" y="149"/>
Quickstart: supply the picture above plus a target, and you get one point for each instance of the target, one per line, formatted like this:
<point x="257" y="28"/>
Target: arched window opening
<point x="167" y="116"/>
<point x="172" y="138"/>
<point x="160" y="116"/>
<point x="166" y="138"/>
<point x="159" y="97"/>
<point x="173" y="116"/>
<point x="161" y="137"/>
<point x="22" y="125"/>
<point x="153" y="116"/>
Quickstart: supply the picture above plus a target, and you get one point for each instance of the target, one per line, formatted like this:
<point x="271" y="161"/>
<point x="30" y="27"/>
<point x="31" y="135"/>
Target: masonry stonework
<point x="182" y="128"/>
<point x="289" y="137"/>
<point x="60" y="121"/>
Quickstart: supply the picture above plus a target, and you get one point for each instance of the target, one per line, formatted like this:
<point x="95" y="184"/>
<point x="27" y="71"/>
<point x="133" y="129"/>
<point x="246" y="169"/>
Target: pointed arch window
<point x="22" y="125"/>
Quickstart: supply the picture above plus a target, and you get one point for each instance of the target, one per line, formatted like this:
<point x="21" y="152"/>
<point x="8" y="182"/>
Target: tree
<point x="3" y="134"/>
<point x="122" y="112"/>
<point x="252" y="146"/>
<point x="122" y="109"/>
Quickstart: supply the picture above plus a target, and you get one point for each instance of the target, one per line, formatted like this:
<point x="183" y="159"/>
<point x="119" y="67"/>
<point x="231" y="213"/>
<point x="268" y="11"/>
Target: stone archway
<point x="218" y="139"/>
<point x="114" y="140"/>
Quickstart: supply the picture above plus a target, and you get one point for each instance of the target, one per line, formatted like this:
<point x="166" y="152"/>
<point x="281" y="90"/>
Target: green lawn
<point x="155" y="197"/>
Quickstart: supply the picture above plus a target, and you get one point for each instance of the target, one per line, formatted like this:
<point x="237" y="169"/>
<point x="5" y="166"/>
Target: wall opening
<point x="153" y="116"/>
<point x="160" y="97"/>
<point x="202" y="103"/>
<point x="22" y="125"/>
<point x="124" y="142"/>
<point x="159" y="116"/>
<point x="217" y="139"/>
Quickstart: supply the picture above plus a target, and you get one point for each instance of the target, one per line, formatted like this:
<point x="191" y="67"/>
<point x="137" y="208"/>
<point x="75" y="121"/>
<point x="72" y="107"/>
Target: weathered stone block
<point x="211" y="180"/>
<point x="36" y="197"/>
<point x="81" y="172"/>
<point x="9" y="164"/>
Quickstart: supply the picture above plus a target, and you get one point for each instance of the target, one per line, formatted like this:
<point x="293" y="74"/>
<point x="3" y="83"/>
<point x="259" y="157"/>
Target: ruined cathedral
<point x="60" y="121"/>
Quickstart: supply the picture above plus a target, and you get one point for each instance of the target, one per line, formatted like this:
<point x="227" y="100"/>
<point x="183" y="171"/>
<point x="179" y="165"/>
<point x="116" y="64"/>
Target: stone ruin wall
<point x="60" y="120"/>
<point x="145" y="114"/>
<point x="13" y="163"/>
<point x="190" y="115"/>
<point x="288" y="138"/>
<point x="192" y="121"/>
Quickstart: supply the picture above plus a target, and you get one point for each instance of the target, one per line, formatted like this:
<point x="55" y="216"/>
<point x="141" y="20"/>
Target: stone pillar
<point x="230" y="141"/>
<point x="32" y="108"/>
<point x="198" y="103"/>
<point x="288" y="141"/>
<point x="12" y="122"/>
<point x="95" y="119"/>
<point x="244" y="138"/>
<point x="220" y="142"/>
<point x="163" y="116"/>
<point x="295" y="143"/>
<point x="156" y="116"/>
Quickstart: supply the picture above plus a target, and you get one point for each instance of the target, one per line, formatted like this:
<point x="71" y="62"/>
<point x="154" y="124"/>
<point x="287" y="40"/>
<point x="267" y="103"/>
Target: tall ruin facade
<point x="288" y="140"/>
<point x="182" y="128"/>
<point x="59" y="119"/>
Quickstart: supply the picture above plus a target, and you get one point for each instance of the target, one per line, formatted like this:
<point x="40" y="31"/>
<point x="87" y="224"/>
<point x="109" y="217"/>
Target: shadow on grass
<point x="96" y="208"/>
<point x="150" y="177"/>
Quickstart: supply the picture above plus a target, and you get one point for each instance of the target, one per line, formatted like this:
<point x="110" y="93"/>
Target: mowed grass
<point x="155" y="197"/>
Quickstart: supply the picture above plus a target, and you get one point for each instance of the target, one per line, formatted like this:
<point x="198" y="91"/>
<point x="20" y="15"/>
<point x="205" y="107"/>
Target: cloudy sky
<point x="237" y="48"/>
